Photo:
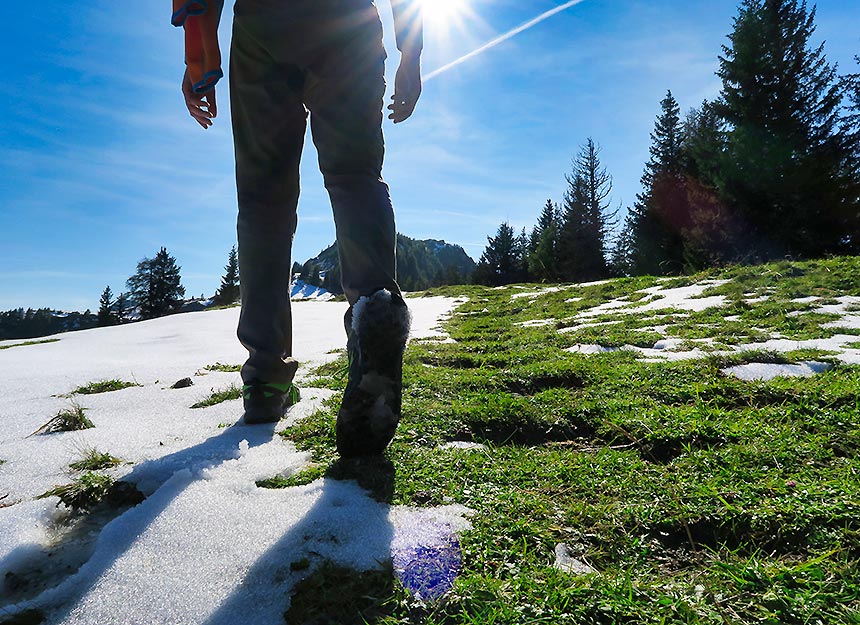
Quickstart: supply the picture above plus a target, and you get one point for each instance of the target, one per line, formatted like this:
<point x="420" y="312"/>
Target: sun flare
<point x="444" y="11"/>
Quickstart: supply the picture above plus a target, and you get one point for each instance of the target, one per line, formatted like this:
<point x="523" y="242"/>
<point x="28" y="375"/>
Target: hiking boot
<point x="377" y="329"/>
<point x="267" y="402"/>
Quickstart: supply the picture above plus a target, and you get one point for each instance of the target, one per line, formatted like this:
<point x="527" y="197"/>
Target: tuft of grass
<point x="221" y="367"/>
<point x="374" y="474"/>
<point x="300" y="478"/>
<point x="29" y="343"/>
<point x="93" y="460"/>
<point x="748" y="356"/>
<point x="217" y="397"/>
<point x="68" y="420"/>
<point x="103" y="386"/>
<point x="92" y="488"/>
<point x="83" y="493"/>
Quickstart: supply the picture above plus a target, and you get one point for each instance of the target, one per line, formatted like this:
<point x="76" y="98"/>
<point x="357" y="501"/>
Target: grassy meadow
<point x="681" y="494"/>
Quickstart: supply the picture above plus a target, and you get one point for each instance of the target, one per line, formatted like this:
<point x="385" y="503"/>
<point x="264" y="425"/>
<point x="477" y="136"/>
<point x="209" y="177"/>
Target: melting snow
<point x="593" y="349"/>
<point x="207" y="545"/>
<point x="769" y="371"/>
<point x="300" y="290"/>
<point x="463" y="445"/>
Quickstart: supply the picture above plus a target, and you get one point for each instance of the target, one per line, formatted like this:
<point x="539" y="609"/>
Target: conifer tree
<point x="786" y="151"/>
<point x="121" y="307"/>
<point x="500" y="261"/>
<point x="332" y="279"/>
<point x="542" y="257"/>
<point x="703" y="144"/>
<point x="521" y="273"/>
<point x="105" y="314"/>
<point x="156" y="287"/>
<point x="228" y="292"/>
<point x="658" y="216"/>
<point x="621" y="252"/>
<point x="586" y="218"/>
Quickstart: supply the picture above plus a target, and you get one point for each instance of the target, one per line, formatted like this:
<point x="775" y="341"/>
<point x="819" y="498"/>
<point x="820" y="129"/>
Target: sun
<point x="444" y="12"/>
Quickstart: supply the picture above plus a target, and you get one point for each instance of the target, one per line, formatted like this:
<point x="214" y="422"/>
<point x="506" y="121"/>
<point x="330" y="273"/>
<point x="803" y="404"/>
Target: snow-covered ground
<point x="207" y="545"/>
<point x="691" y="299"/>
<point x="300" y="290"/>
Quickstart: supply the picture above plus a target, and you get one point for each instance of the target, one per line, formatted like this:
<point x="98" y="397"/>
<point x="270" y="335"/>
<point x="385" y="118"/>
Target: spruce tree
<point x="658" y="215"/>
<point x="621" y="252"/>
<point x="851" y="127"/>
<point x="121" y="307"/>
<point x="785" y="171"/>
<point x="586" y="218"/>
<point x="331" y="280"/>
<point x="228" y="292"/>
<point x="542" y="257"/>
<point x="105" y="314"/>
<point x="500" y="261"/>
<point x="521" y="274"/>
<point x="156" y="287"/>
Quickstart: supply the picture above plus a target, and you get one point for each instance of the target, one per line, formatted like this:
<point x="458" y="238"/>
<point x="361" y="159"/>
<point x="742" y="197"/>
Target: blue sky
<point x="100" y="164"/>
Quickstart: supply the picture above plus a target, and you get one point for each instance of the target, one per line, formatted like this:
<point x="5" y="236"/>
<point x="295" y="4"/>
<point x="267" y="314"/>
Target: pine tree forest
<point x="769" y="169"/>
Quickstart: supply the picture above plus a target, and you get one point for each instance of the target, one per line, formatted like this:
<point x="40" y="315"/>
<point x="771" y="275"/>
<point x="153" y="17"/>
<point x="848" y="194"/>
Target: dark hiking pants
<point x="291" y="59"/>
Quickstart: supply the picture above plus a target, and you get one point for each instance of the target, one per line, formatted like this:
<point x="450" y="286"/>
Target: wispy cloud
<point x="502" y="38"/>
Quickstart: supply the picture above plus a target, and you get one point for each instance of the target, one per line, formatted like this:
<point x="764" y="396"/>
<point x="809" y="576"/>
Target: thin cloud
<point x="502" y="38"/>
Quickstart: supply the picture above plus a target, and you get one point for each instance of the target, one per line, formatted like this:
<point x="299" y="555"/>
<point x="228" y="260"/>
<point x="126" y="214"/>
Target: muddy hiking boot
<point x="377" y="328"/>
<point x="267" y="402"/>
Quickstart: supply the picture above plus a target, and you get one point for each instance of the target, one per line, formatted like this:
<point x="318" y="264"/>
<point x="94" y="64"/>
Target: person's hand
<point x="407" y="88"/>
<point x="201" y="105"/>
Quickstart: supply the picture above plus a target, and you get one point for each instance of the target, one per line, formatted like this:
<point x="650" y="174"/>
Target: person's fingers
<point x="403" y="106"/>
<point x="202" y="118"/>
<point x="212" y="105"/>
<point x="198" y="111"/>
<point x="202" y="108"/>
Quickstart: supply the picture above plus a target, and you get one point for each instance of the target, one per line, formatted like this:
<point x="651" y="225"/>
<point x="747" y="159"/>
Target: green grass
<point x="221" y="367"/>
<point x="338" y="595"/>
<point x="103" y="386"/>
<point x="217" y="397"/>
<point x="697" y="497"/>
<point x="83" y="493"/>
<point x="91" y="489"/>
<point x="93" y="460"/>
<point x="70" y="419"/>
<point x="29" y="343"/>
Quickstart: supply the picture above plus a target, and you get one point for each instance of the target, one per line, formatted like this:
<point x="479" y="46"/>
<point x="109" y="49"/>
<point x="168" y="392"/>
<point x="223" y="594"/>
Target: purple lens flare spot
<point x="428" y="572"/>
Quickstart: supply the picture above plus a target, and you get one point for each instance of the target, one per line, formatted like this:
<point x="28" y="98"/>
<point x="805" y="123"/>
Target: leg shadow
<point x="51" y="575"/>
<point x="335" y="562"/>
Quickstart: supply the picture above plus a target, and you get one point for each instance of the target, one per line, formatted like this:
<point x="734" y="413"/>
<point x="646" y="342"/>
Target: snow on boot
<point x="377" y="330"/>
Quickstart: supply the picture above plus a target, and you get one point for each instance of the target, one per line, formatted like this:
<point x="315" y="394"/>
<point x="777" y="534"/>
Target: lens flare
<point x="501" y="38"/>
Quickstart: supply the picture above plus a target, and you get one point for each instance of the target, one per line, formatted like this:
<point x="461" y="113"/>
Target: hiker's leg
<point x="269" y="122"/>
<point x="344" y="93"/>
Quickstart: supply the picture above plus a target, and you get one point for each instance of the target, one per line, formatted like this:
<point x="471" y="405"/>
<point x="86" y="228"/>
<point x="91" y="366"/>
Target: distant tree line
<point x="31" y="323"/>
<point x="420" y="265"/>
<point x="769" y="169"/>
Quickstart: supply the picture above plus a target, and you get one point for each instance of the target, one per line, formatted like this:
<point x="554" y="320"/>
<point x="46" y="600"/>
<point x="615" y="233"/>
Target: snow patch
<point x="566" y="562"/>
<point x="301" y="290"/>
<point x="207" y="545"/>
<point x="593" y="349"/>
<point x="534" y="294"/>
<point x="769" y="371"/>
<point x="463" y="445"/>
<point x="536" y="323"/>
